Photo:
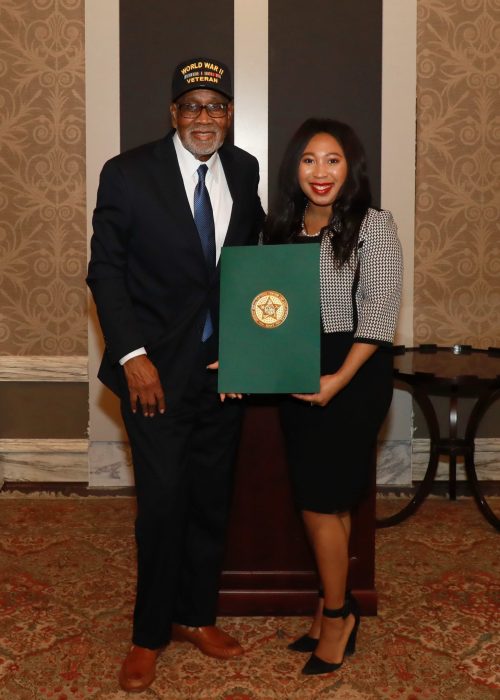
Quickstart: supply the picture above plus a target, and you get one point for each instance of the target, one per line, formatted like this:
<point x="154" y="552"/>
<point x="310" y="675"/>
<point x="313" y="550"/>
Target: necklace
<point x="303" y="231"/>
<point x="331" y="228"/>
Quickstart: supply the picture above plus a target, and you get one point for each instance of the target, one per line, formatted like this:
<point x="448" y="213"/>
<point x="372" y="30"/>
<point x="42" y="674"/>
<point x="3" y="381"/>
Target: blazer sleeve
<point x="380" y="280"/>
<point x="107" y="273"/>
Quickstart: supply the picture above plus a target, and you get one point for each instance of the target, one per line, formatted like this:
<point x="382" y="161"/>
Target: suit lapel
<point x="234" y="184"/>
<point x="175" y="194"/>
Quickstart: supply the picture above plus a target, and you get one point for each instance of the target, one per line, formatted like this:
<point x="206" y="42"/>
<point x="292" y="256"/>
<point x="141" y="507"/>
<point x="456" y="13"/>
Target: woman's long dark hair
<point x="285" y="218"/>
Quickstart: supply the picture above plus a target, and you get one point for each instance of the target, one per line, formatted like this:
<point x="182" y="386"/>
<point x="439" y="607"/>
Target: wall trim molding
<point x="251" y="77"/>
<point x="44" y="460"/>
<point x="41" y="368"/>
<point x="43" y="445"/>
<point x="399" y="109"/>
<point x="102" y="112"/>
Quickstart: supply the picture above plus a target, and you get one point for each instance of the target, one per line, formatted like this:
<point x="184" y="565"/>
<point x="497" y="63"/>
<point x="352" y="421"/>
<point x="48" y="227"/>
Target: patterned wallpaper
<point x="457" y="244"/>
<point x="42" y="195"/>
<point x="43" y="307"/>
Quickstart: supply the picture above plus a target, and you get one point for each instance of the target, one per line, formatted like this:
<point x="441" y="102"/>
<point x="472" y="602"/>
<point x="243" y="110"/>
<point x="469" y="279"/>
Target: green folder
<point x="269" y="336"/>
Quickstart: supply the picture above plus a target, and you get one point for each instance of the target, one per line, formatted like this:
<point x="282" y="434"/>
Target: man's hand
<point x="144" y="385"/>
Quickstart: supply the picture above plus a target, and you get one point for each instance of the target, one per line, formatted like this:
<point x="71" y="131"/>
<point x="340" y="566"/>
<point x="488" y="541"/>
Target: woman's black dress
<point x="330" y="449"/>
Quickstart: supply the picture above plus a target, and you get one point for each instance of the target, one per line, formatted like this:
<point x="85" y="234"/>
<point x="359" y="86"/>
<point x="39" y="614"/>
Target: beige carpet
<point x="66" y="595"/>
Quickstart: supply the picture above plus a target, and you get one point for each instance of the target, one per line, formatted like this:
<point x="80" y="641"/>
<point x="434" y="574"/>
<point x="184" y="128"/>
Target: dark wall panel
<point x="325" y="60"/>
<point x="154" y="37"/>
<point x="44" y="410"/>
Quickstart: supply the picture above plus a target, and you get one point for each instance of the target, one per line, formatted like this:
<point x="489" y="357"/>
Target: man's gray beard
<point x="203" y="149"/>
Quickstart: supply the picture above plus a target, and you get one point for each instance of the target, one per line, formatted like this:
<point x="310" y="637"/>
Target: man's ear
<point x="173" y="114"/>
<point x="230" y="112"/>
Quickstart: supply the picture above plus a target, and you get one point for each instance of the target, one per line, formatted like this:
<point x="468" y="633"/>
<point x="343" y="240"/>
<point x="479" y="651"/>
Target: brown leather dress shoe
<point x="138" y="670"/>
<point x="211" y="640"/>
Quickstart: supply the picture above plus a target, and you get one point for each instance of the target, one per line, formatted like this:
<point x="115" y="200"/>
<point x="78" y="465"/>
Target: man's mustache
<point x="199" y="128"/>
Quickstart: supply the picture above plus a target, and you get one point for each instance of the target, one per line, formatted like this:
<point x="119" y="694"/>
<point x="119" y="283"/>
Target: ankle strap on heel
<point x="338" y="612"/>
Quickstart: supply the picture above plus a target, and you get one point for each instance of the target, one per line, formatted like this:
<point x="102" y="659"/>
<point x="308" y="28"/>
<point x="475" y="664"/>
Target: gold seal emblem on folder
<point x="269" y="309"/>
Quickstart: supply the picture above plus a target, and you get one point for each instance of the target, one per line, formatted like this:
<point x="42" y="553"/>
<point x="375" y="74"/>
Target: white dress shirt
<point x="220" y="197"/>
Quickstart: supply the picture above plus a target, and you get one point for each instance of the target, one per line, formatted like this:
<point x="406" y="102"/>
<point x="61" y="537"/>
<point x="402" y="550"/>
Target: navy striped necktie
<point x="204" y="220"/>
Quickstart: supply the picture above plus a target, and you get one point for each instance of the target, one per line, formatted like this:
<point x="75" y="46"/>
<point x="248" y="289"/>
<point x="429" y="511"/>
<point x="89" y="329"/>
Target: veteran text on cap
<point x="199" y="74"/>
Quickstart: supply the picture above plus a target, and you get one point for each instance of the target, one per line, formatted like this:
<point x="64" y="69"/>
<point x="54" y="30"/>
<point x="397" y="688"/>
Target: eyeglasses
<point x="190" y="110"/>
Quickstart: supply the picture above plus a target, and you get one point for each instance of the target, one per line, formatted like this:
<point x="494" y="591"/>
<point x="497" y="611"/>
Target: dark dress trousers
<point x="152" y="288"/>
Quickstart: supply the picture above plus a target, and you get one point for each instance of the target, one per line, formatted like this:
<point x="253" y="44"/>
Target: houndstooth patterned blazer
<point x="365" y="293"/>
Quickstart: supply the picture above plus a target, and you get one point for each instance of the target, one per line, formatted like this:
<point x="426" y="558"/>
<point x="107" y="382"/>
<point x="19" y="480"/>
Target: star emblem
<point x="269" y="308"/>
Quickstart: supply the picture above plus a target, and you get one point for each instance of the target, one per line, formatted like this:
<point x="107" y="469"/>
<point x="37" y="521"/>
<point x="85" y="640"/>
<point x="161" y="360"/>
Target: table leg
<point x="452" y="473"/>
<point x="424" y="489"/>
<point x="480" y="408"/>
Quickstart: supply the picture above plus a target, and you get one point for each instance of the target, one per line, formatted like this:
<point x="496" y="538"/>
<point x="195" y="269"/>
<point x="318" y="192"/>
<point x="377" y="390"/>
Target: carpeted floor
<point x="66" y="594"/>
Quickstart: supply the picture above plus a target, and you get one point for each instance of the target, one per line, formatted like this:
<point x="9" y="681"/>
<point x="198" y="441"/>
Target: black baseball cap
<point x="199" y="74"/>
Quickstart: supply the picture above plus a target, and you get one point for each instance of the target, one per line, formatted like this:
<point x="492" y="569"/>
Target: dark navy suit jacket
<point x="147" y="271"/>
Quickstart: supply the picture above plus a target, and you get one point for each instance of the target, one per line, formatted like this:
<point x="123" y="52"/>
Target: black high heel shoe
<point x="351" y="642"/>
<point x="315" y="665"/>
<point x="306" y="643"/>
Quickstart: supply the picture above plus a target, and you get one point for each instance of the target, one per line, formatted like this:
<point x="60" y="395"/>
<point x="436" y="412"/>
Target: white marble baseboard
<point x="486" y="459"/>
<point x="401" y="462"/>
<point x="37" y="460"/>
<point x="110" y="465"/>
<point x="394" y="463"/>
<point x="39" y="368"/>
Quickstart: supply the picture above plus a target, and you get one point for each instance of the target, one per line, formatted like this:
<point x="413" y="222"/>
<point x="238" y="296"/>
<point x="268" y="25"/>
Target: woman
<point x="324" y="198"/>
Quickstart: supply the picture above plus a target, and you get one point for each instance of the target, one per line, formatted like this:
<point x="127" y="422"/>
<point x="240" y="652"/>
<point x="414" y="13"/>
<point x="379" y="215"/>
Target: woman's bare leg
<point x="329" y="536"/>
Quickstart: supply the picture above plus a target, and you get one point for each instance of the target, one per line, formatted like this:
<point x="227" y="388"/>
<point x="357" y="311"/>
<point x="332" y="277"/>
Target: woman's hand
<point x="223" y="397"/>
<point x="329" y="385"/>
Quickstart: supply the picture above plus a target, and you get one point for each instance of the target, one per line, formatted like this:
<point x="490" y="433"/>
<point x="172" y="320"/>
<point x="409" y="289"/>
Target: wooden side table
<point x="453" y="372"/>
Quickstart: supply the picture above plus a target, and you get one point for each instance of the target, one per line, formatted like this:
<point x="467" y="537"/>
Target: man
<point x="164" y="210"/>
